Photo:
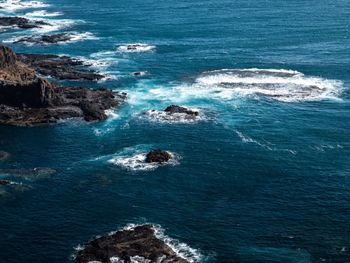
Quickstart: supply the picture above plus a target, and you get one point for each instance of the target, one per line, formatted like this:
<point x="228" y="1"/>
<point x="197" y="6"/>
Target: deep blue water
<point x="261" y="179"/>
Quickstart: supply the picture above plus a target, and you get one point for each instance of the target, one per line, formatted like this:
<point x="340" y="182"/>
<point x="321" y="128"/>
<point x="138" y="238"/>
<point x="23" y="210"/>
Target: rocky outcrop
<point x="178" y="109"/>
<point x="59" y="67"/>
<point x="26" y="99"/>
<point x="139" y="242"/>
<point x="158" y="156"/>
<point x="21" y="22"/>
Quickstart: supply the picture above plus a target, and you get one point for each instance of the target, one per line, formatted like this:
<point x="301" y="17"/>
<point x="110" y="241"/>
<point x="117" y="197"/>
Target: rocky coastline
<point x="27" y="99"/>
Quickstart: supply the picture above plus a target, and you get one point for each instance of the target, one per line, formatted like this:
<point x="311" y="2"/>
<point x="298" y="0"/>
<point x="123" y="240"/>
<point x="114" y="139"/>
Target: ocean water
<point x="262" y="176"/>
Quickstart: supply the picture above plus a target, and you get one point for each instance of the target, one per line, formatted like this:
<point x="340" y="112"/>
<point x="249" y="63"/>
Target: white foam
<point x="74" y="37"/>
<point x="137" y="162"/>
<point x="181" y="249"/>
<point x="43" y="13"/>
<point x="136" y="48"/>
<point x="166" y="117"/>
<point x="14" y="5"/>
<point x="282" y="85"/>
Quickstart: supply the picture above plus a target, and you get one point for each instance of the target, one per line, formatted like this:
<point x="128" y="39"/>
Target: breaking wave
<point x="14" y="5"/>
<point x="136" y="48"/>
<point x="282" y="85"/>
<point x="43" y="13"/>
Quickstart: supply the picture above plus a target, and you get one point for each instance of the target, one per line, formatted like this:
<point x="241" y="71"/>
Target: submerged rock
<point x="128" y="245"/>
<point x="30" y="173"/>
<point x="178" y="109"/>
<point x="27" y="99"/>
<point x="158" y="156"/>
<point x="46" y="39"/>
<point x="4" y="155"/>
<point x="21" y="22"/>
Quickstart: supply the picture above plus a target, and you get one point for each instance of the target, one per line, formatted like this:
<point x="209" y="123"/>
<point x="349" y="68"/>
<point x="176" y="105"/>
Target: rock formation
<point x="128" y="245"/>
<point x="26" y="99"/>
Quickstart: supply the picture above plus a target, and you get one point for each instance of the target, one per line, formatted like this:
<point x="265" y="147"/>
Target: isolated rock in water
<point x="139" y="242"/>
<point x="4" y="155"/>
<point x="4" y="182"/>
<point x="21" y="22"/>
<point x="158" y="156"/>
<point x="139" y="73"/>
<point x="26" y="99"/>
<point x="60" y="67"/>
<point x="178" y="109"/>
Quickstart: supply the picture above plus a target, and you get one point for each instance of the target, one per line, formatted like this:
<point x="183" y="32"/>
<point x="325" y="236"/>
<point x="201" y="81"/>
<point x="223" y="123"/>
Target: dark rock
<point x="4" y="182"/>
<point x="26" y="99"/>
<point x="178" y="109"/>
<point x="4" y="155"/>
<point x="158" y="156"/>
<point x="126" y="244"/>
<point x="139" y="73"/>
<point x="46" y="39"/>
<point x="21" y="22"/>
<point x="59" y="67"/>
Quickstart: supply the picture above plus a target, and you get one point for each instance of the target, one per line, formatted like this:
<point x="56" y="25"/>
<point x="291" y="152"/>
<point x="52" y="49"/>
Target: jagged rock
<point x="126" y="245"/>
<point x="178" y="109"/>
<point x="59" y="67"/>
<point x="26" y="99"/>
<point x="21" y="22"/>
<point x="158" y="156"/>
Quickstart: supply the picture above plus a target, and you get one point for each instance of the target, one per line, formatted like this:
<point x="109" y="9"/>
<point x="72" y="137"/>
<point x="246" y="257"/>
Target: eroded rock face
<point x="59" y="67"/>
<point x="26" y="99"/>
<point x="158" y="156"/>
<point x="125" y="245"/>
<point x="21" y="22"/>
<point x="178" y="109"/>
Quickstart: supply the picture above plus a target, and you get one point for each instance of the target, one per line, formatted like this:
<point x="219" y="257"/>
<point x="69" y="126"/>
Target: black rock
<point x="158" y="156"/>
<point x="21" y="22"/>
<point x="178" y="109"/>
<point x="126" y="244"/>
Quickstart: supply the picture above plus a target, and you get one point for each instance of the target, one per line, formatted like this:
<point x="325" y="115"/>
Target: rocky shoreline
<point x="27" y="99"/>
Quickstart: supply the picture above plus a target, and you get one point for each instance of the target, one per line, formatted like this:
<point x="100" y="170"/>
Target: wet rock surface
<point x="158" y="156"/>
<point x="26" y="99"/>
<point x="60" y="67"/>
<point x="21" y="22"/>
<point x="178" y="109"/>
<point x="127" y="245"/>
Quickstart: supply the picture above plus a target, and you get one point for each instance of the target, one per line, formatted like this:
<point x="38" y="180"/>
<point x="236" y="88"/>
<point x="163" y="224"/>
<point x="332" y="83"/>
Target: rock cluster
<point x="126" y="245"/>
<point x="21" y="22"/>
<point x="27" y="99"/>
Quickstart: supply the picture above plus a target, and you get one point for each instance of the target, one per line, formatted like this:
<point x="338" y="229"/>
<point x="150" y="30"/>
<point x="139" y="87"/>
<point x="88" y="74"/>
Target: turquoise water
<point x="259" y="178"/>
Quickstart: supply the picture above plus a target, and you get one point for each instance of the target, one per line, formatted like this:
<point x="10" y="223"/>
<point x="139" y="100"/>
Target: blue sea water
<point x="260" y="178"/>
